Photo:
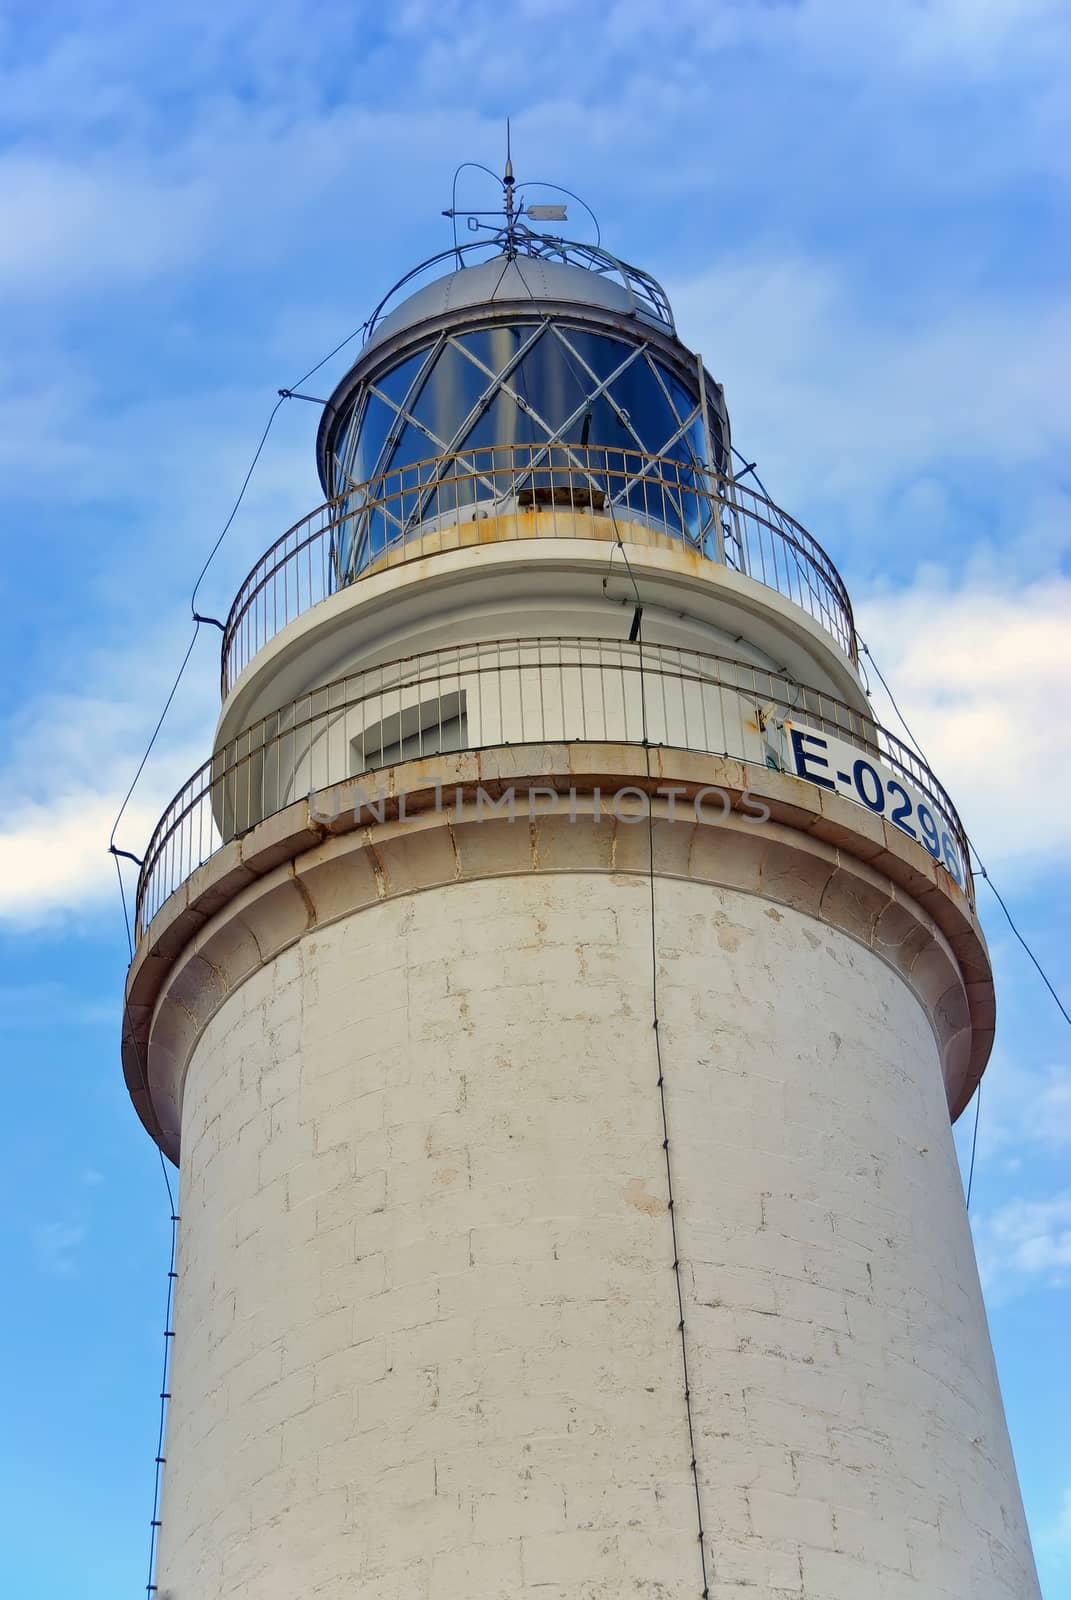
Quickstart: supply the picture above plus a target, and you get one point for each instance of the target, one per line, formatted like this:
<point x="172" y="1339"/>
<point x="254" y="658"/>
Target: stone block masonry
<point x="426" y="1328"/>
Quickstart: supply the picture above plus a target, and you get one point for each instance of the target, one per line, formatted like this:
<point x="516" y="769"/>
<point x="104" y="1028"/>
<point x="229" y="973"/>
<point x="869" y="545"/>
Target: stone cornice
<point x="317" y="862"/>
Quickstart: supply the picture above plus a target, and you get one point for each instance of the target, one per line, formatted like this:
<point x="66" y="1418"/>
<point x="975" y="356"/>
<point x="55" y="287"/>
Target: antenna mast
<point x="507" y="187"/>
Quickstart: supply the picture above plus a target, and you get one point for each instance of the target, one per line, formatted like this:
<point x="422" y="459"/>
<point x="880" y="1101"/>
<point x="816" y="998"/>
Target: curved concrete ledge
<point x="347" y="850"/>
<point x="382" y="612"/>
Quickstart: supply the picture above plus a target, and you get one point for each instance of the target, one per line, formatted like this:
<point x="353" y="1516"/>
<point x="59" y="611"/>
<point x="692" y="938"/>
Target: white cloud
<point x="982" y="675"/>
<point x="53" y="858"/>
<point x="1024" y="1245"/>
<point x="70" y="758"/>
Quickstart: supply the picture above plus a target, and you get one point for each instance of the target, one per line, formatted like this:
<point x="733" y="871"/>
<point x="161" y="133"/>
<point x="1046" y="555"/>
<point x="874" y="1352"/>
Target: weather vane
<point x="509" y="225"/>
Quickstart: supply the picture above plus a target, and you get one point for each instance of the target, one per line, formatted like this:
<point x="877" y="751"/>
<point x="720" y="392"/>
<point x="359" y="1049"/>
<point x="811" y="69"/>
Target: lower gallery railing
<point x="536" y="691"/>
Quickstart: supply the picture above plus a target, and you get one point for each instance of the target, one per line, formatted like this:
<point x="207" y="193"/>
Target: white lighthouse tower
<point x="556" y="989"/>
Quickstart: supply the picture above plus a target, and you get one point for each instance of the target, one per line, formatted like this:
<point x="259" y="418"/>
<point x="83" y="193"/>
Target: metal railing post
<point x="712" y="466"/>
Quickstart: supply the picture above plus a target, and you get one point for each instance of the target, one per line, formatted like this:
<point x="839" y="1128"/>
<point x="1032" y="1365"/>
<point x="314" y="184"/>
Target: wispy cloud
<point x="57" y="1246"/>
<point x="852" y="400"/>
<point x="1024" y="1245"/>
<point x="72" y="225"/>
<point x="144" y="148"/>
<point x="26" y="1007"/>
<point x="1055" y="1538"/>
<point x="1027" y="1110"/>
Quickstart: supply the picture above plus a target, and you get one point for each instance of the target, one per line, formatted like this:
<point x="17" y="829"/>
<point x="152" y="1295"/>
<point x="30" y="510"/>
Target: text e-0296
<point x="834" y="764"/>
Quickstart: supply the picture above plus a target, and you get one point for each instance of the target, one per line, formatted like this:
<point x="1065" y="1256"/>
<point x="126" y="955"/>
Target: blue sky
<point x="860" y="214"/>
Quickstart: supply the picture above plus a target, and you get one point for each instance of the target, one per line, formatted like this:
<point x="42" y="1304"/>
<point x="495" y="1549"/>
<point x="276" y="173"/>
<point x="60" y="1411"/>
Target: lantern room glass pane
<point x="397" y="383"/>
<point x="376" y="423"/>
<point x="476" y="399"/>
<point x="492" y="349"/>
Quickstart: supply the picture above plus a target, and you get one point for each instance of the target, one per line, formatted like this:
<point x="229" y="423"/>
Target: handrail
<point x="505" y="691"/>
<point x="430" y="507"/>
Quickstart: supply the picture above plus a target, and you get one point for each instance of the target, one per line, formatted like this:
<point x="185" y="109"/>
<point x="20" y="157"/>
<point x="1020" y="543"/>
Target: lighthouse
<point x="556" y="989"/>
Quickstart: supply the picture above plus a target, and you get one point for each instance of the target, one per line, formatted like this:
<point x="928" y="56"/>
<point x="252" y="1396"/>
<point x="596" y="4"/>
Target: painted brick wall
<point x="427" y="1341"/>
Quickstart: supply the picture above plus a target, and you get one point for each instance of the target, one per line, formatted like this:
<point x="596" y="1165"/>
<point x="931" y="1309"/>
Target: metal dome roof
<point x="525" y="267"/>
<point x="503" y="279"/>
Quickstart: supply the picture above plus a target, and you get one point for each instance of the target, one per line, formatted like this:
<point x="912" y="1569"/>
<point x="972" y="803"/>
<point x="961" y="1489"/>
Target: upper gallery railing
<point x="480" y="496"/>
<point x="534" y="691"/>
